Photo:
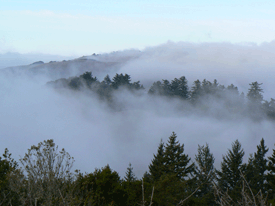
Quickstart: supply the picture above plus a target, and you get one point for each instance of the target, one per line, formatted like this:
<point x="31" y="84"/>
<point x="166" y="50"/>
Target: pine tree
<point x="206" y="87"/>
<point x="131" y="186"/>
<point x="183" y="88"/>
<point x="107" y="80"/>
<point x="156" y="88"/>
<point x="255" y="93"/>
<point x="175" y="87"/>
<point x="232" y="89"/>
<point x="179" y="87"/>
<point x="196" y="91"/>
<point x="271" y="176"/>
<point x="121" y="80"/>
<point x="156" y="168"/>
<point x="254" y="104"/>
<point x="176" y="162"/>
<point x="166" y="87"/>
<point x="130" y="176"/>
<point x="169" y="170"/>
<point x="229" y="177"/>
<point x="259" y="167"/>
<point x="204" y="174"/>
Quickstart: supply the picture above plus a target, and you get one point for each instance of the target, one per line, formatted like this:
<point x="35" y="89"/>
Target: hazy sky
<point x="83" y="27"/>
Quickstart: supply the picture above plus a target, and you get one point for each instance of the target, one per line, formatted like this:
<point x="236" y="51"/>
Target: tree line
<point x="202" y="96"/>
<point x="44" y="176"/>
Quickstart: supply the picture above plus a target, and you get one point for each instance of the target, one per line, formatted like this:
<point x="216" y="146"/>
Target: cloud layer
<point x="96" y="135"/>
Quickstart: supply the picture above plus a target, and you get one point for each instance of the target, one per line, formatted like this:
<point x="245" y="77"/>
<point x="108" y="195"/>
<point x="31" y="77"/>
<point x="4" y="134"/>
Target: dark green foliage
<point x="179" y="87"/>
<point x="169" y="190"/>
<point x="8" y="168"/>
<point x="102" y="187"/>
<point x="207" y="98"/>
<point x="204" y="175"/>
<point x="229" y="177"/>
<point x="170" y="159"/>
<point x="132" y="187"/>
<point x="176" y="162"/>
<point x="257" y="167"/>
<point x="196" y="92"/>
<point x="271" y="176"/>
<point x="254" y="94"/>
<point x="169" y="172"/>
<point x="107" y="80"/>
<point x="163" y="89"/>
<point x="206" y="87"/>
<point x="255" y="98"/>
<point x="156" y="168"/>
<point x="130" y="176"/>
<point x="121" y="80"/>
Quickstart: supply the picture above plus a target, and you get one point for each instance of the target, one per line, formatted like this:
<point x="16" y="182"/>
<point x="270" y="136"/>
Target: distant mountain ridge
<point x="98" y="64"/>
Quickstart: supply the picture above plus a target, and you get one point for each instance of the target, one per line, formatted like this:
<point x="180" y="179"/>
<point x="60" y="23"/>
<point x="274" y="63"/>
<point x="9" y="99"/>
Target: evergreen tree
<point x="107" y="80"/>
<point x="258" y="181"/>
<point x="170" y="171"/>
<point x="9" y="172"/>
<point x="130" y="176"/>
<point x="255" y="93"/>
<point x="179" y="87"/>
<point x="183" y="88"/>
<point x="156" y="168"/>
<point x="175" y="87"/>
<point x="229" y="177"/>
<point x="176" y="162"/>
<point x="255" y="98"/>
<point x="121" y="80"/>
<point x="102" y="187"/>
<point x="196" y="91"/>
<point x="206" y="87"/>
<point x="166" y="87"/>
<point x="136" y="86"/>
<point x="132" y="187"/>
<point x="233" y="89"/>
<point x="204" y="174"/>
<point x="156" y="88"/>
<point x="271" y="176"/>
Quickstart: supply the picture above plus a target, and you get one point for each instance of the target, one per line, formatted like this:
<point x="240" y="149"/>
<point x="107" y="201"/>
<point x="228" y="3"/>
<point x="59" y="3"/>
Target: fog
<point x="96" y="135"/>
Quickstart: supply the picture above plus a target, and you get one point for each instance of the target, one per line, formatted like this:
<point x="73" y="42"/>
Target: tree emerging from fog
<point x="203" y="98"/>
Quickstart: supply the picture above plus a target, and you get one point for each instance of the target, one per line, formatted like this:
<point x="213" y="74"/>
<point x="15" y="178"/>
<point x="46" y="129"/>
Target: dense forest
<point x="44" y="176"/>
<point x="204" y="97"/>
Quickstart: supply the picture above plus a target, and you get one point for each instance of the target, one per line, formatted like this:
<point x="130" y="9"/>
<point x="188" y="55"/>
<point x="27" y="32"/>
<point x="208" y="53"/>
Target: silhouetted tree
<point x="156" y="168"/>
<point x="229" y="176"/>
<point x="255" y="93"/>
<point x="121" y="80"/>
<point x="204" y="174"/>
<point x="271" y="176"/>
<point x="196" y="92"/>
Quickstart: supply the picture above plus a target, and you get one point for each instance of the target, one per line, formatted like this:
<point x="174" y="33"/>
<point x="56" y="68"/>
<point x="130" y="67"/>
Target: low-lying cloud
<point x="97" y="135"/>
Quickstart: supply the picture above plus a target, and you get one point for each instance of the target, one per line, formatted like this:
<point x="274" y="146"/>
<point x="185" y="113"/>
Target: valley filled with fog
<point x="96" y="134"/>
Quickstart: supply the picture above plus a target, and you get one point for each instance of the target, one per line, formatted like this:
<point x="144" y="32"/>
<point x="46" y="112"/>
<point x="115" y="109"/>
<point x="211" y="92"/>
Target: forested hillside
<point x="44" y="176"/>
<point x="204" y="97"/>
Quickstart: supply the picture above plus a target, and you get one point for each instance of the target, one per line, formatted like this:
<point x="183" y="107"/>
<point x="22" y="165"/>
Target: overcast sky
<point x="83" y="27"/>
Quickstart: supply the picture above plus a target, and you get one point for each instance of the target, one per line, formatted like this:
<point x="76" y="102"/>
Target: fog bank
<point x="96" y="135"/>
